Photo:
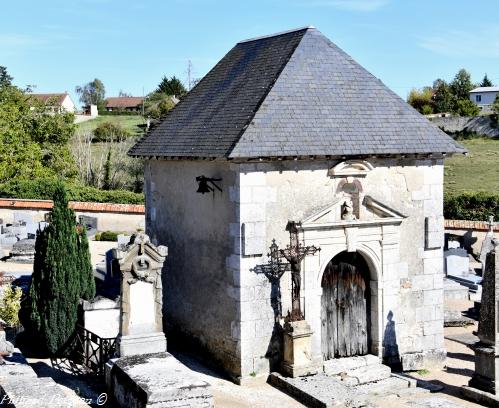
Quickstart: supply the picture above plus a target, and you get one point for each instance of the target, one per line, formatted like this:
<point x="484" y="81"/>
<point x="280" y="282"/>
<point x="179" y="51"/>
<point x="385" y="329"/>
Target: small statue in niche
<point x="347" y="212"/>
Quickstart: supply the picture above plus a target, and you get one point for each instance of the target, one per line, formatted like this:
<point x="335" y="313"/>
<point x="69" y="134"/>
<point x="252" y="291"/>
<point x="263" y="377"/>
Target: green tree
<point x="171" y="86"/>
<point x="33" y="139"/>
<point x="465" y="107"/>
<point x="92" y="93"/>
<point x="87" y="281"/>
<point x="422" y="100"/>
<point x="486" y="81"/>
<point x="158" y="105"/>
<point x="461" y="85"/>
<point x="5" y="78"/>
<point x="495" y="105"/>
<point x="443" y="99"/>
<point x="60" y="277"/>
<point x="107" y="172"/>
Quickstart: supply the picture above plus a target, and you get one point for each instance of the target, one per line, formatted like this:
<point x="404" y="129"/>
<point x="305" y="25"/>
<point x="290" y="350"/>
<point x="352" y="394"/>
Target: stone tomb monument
<point x="146" y="375"/>
<point x="483" y="384"/>
<point x="141" y="326"/>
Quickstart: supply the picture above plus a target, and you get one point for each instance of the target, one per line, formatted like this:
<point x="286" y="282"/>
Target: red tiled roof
<point x="57" y="97"/>
<point x="124" y="101"/>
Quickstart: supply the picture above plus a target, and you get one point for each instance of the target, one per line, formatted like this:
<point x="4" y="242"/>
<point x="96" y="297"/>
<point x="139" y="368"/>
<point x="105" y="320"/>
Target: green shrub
<point x="10" y="304"/>
<point x="109" y="131"/>
<point x="106" y="236"/>
<point x="471" y="206"/>
<point x="43" y="189"/>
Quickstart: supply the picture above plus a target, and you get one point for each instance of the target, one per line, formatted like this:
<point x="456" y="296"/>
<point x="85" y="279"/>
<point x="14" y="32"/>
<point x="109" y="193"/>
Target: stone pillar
<point x="141" y="325"/>
<point x="486" y="351"/>
<point x="298" y="359"/>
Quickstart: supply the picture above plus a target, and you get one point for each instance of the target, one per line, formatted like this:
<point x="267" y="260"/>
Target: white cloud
<point x="350" y="5"/>
<point x="459" y="43"/>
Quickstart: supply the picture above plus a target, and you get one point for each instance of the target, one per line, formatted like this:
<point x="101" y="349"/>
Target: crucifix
<point x="294" y="253"/>
<point x="274" y="271"/>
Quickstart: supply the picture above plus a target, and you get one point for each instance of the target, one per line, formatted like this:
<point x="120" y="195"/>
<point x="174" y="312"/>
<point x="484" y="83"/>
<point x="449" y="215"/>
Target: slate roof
<point x="291" y="94"/>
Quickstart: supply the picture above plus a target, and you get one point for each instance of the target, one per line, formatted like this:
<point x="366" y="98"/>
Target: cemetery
<point x="294" y="257"/>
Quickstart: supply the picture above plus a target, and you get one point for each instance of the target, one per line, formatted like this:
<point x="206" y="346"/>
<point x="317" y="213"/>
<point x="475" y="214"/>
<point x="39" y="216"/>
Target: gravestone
<point x="146" y="375"/>
<point x="487" y="244"/>
<point x="141" y="318"/>
<point x="23" y="251"/>
<point x="23" y="218"/>
<point x="90" y="223"/>
<point x="457" y="262"/>
<point x="486" y="350"/>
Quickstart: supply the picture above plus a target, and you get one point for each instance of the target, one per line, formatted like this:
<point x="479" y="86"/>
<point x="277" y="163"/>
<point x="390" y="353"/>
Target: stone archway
<point x="346" y="307"/>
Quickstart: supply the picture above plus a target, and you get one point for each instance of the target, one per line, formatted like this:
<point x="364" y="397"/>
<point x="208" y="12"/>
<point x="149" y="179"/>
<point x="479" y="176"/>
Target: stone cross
<point x="141" y="314"/>
<point x="294" y="253"/>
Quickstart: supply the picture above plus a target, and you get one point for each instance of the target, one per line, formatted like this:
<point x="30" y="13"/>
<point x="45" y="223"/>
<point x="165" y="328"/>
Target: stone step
<point x="337" y="366"/>
<point x="367" y="374"/>
<point x="389" y="386"/>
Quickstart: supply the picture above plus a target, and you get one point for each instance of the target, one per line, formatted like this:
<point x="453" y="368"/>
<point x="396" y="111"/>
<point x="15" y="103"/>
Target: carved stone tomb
<point x="141" y="325"/>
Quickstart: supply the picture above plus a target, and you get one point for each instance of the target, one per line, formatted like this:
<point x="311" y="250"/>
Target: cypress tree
<point x="87" y="281"/>
<point x="62" y="274"/>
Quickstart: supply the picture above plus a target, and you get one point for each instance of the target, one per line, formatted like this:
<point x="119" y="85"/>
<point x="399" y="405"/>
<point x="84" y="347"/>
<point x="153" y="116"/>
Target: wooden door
<point x="344" y="314"/>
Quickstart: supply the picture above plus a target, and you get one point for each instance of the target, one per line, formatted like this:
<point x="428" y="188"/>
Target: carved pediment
<point x="371" y="211"/>
<point x="351" y="168"/>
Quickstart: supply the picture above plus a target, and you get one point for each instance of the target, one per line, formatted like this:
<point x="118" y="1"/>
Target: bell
<point x="203" y="186"/>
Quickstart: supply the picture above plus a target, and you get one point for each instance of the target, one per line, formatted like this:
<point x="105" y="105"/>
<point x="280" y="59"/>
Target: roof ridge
<point x="257" y="107"/>
<point x="276" y="34"/>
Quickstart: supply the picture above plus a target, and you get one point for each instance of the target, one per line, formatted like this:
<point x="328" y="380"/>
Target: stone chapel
<point x="288" y="127"/>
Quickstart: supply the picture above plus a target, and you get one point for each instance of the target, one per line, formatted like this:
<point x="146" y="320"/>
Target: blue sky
<point x="130" y="45"/>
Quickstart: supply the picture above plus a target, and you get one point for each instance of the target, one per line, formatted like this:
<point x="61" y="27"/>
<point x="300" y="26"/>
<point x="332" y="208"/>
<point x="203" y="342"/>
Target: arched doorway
<point x="345" y="309"/>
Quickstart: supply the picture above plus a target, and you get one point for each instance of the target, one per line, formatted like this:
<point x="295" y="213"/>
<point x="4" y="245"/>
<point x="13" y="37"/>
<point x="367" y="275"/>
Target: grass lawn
<point x="479" y="171"/>
<point x="128" y="122"/>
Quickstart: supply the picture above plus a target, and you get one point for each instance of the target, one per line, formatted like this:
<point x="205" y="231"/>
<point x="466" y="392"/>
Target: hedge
<point x="44" y="190"/>
<point x="471" y="206"/>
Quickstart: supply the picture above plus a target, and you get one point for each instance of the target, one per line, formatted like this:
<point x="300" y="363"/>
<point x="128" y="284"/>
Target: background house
<point x="124" y="103"/>
<point x="59" y="102"/>
<point x="484" y="97"/>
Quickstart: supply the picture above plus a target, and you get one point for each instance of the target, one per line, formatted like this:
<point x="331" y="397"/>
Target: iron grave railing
<point x="85" y="353"/>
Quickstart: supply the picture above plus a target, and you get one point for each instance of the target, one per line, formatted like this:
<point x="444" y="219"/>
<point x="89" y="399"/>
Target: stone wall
<point x="411" y="279"/>
<point x="482" y="125"/>
<point x="215" y="240"/>
<point x="200" y="279"/>
<point x="110" y="217"/>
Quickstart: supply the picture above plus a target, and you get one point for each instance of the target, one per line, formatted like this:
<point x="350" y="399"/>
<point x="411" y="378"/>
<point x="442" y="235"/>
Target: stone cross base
<point x="486" y="367"/>
<point x="298" y="359"/>
<point x="137" y="344"/>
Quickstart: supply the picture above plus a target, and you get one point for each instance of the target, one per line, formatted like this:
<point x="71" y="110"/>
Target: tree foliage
<point x="486" y="81"/>
<point x="445" y="97"/>
<point x="461" y="85"/>
<point x="158" y="105"/>
<point x="33" y="139"/>
<point x="10" y="304"/>
<point x="92" y="93"/>
<point x="62" y="274"/>
<point x="171" y="86"/>
<point x="422" y="100"/>
<point x="5" y="78"/>
<point x="495" y="105"/>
